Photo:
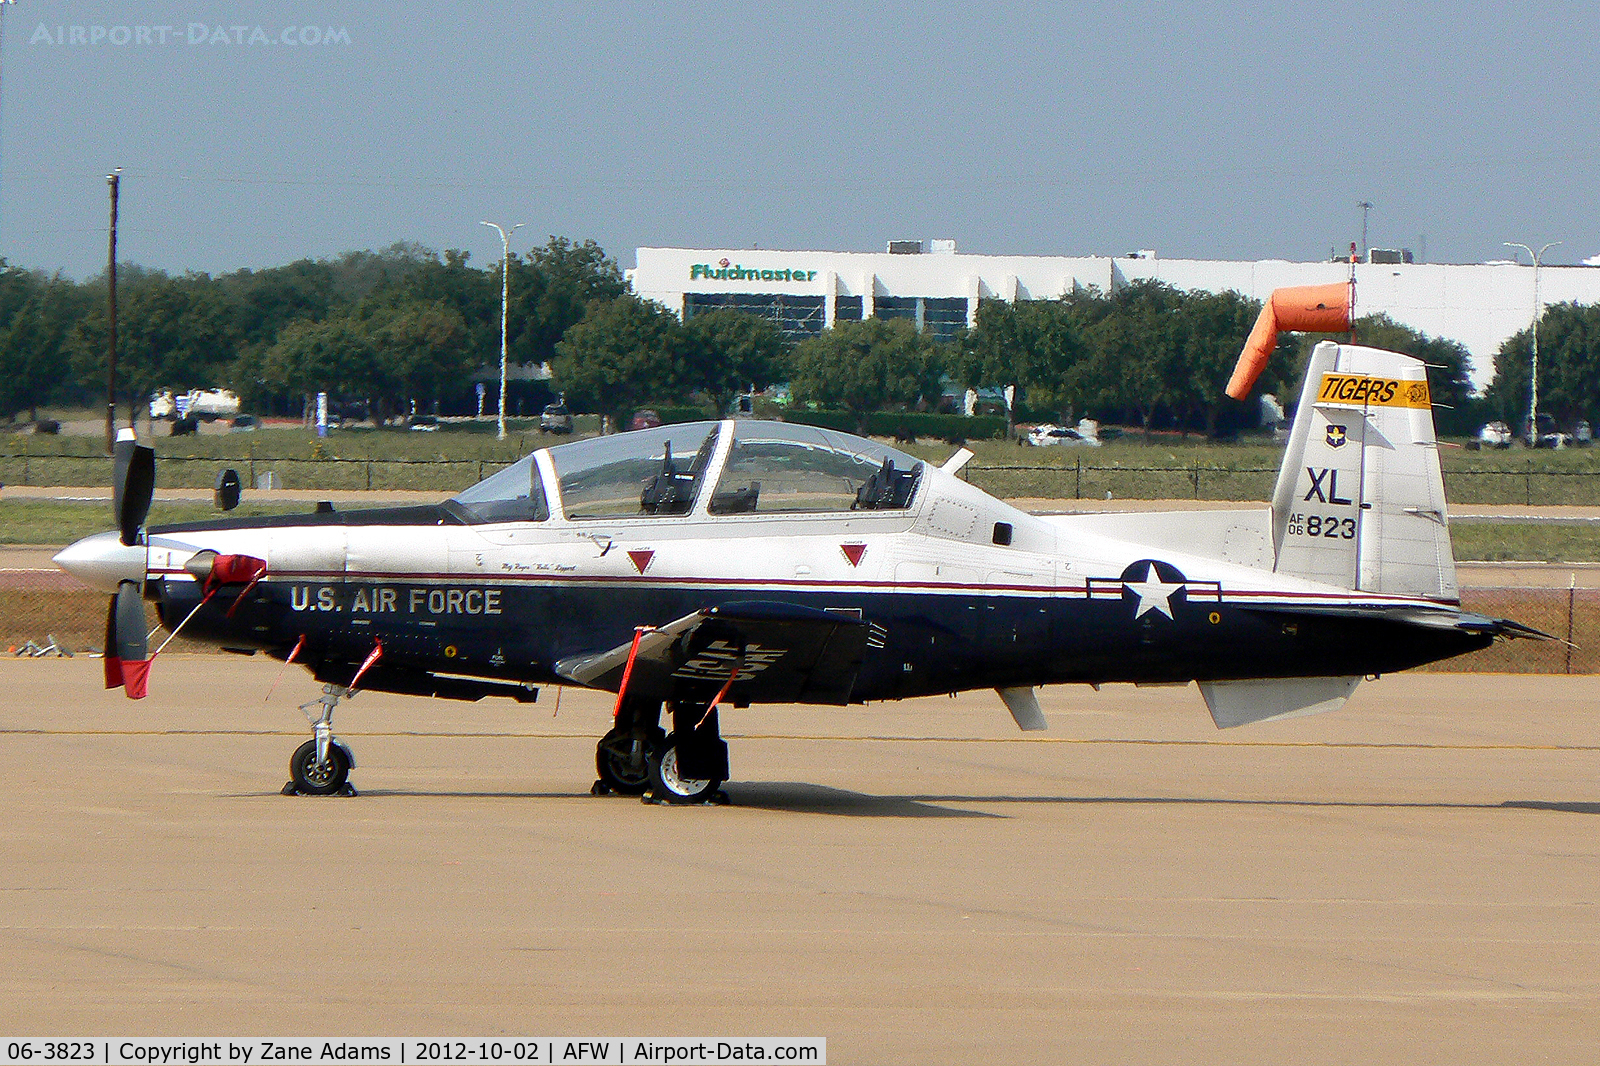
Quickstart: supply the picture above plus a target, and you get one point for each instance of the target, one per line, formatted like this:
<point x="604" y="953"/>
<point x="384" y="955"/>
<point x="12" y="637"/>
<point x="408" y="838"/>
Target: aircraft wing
<point x="772" y="652"/>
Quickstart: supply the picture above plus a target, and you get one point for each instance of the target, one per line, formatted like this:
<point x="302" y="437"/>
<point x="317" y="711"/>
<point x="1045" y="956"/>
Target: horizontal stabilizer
<point x="1241" y="702"/>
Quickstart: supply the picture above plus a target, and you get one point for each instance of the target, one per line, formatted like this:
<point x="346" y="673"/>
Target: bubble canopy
<point x="770" y="468"/>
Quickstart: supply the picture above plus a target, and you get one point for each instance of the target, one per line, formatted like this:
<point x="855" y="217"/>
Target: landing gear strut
<point x="321" y="766"/>
<point x="639" y="758"/>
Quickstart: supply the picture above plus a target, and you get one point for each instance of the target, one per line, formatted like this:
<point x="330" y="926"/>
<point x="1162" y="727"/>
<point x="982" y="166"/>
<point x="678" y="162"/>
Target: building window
<point x="797" y="317"/>
<point x="847" y="309"/>
<point x="943" y="317"/>
<point x="940" y="317"/>
<point x="895" y="307"/>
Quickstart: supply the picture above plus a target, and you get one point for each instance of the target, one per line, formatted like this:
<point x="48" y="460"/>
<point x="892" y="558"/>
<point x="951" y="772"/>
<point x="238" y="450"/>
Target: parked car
<point x="205" y="404"/>
<point x="555" y="419"/>
<point x="645" y="419"/>
<point x="1085" y="434"/>
<point x="424" y="424"/>
<point x="1495" y="435"/>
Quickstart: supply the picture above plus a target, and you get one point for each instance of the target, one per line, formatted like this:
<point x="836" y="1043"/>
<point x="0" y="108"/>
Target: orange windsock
<point x="1309" y="308"/>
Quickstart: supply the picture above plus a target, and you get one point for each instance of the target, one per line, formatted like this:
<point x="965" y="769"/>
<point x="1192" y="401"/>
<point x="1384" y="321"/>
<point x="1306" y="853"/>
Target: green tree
<point x="449" y="281"/>
<point x="866" y="366"/>
<point x="35" y="359"/>
<point x="1569" y="369"/>
<point x="1155" y="352"/>
<point x="1135" y="338"/>
<point x="624" y="353"/>
<point x="336" y="355"/>
<point x="262" y="302"/>
<point x="551" y="291"/>
<point x="728" y="351"/>
<point x="420" y="351"/>
<point x="172" y="333"/>
<point x="1214" y="327"/>
<point x="1034" y="345"/>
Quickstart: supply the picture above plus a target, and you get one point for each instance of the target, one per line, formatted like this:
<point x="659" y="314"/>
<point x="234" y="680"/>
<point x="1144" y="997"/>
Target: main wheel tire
<point x="668" y="785"/>
<point x="614" y="767"/>
<point x="310" y="778"/>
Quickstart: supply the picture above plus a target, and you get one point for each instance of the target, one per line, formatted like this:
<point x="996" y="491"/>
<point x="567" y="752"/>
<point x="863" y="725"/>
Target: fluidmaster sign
<point x="738" y="272"/>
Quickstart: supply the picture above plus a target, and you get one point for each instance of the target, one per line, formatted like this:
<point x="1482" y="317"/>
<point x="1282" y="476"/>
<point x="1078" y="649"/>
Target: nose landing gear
<point x="321" y="766"/>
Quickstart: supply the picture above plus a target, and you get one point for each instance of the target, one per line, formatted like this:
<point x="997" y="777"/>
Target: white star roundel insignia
<point x="1150" y="585"/>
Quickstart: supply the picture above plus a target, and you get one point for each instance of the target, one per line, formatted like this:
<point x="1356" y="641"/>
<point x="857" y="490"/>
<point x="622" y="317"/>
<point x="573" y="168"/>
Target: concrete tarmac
<point x="1411" y="879"/>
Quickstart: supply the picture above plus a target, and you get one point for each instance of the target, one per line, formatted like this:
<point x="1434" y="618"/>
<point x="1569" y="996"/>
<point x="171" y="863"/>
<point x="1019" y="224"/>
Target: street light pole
<point x="1533" y="375"/>
<point x="113" y="182"/>
<point x="505" y="293"/>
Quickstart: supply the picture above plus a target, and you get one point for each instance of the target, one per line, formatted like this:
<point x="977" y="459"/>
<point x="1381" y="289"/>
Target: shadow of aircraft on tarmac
<point x="807" y="798"/>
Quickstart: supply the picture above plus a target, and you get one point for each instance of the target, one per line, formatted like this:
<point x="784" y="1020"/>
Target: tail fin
<point x="1360" y="498"/>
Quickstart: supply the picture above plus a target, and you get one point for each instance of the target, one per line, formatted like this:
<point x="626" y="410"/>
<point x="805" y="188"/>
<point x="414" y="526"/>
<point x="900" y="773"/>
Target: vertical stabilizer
<point x="1360" y="499"/>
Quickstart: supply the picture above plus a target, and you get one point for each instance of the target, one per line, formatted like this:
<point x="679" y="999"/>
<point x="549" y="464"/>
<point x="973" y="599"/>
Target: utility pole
<point x="1366" y="206"/>
<point x="1533" y="370"/>
<point x="505" y="293"/>
<point x="113" y="180"/>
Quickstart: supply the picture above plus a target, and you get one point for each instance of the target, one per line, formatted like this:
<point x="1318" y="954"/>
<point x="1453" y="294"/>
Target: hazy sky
<point x="253" y="133"/>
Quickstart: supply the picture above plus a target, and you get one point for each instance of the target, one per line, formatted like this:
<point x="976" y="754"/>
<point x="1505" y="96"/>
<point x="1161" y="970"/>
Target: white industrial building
<point x="805" y="292"/>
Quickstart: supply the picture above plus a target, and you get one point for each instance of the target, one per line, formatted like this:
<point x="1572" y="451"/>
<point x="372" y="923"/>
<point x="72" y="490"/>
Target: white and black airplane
<point x="694" y="566"/>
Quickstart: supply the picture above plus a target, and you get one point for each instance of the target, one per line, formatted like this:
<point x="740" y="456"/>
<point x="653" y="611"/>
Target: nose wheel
<point x="321" y="766"/>
<point x="310" y="777"/>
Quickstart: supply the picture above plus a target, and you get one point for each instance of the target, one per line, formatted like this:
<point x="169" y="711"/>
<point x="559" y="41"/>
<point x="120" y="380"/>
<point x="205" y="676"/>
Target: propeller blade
<point x="133" y="483"/>
<point x="127" y="655"/>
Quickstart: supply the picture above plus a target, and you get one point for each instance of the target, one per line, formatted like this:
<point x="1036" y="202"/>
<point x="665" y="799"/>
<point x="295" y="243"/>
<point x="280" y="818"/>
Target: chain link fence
<point x="192" y="471"/>
<point x="1079" y="480"/>
<point x="1076" y="479"/>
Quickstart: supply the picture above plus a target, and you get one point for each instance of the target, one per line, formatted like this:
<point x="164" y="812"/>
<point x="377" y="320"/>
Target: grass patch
<point x="60" y="522"/>
<point x="1517" y="542"/>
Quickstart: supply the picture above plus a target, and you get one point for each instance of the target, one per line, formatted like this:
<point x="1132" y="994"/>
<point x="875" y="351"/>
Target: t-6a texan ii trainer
<point x="715" y="564"/>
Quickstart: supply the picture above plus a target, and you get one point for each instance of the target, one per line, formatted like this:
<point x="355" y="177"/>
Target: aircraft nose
<point x="101" y="561"/>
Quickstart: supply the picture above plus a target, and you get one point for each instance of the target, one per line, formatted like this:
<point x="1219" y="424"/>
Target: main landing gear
<point x="638" y="758"/>
<point x="321" y="766"/>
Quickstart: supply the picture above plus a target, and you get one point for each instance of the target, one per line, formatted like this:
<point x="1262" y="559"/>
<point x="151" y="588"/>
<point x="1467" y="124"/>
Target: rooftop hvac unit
<point x="1389" y="256"/>
<point x="905" y="247"/>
